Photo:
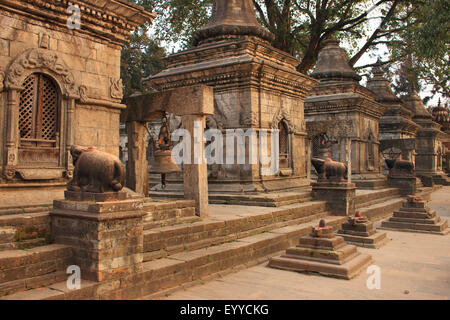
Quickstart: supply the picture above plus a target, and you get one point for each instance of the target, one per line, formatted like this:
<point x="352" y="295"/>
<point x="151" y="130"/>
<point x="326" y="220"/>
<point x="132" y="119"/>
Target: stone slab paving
<point x="413" y="266"/>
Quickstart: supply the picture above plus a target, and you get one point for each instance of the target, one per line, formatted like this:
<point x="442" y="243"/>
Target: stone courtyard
<point x="323" y="177"/>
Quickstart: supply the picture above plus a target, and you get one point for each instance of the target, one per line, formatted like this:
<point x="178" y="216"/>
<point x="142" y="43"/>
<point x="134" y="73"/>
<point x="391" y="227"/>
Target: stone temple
<point x="348" y="156"/>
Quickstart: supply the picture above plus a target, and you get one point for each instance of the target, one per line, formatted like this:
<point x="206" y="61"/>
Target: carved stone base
<point x="415" y="216"/>
<point x="95" y="197"/>
<point x="406" y="184"/>
<point x="340" y="196"/>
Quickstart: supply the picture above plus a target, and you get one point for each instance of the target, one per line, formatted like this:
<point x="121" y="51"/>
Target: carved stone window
<point x="38" y="120"/>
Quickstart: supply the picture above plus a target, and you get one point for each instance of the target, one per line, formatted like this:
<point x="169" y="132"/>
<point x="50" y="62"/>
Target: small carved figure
<point x="95" y="171"/>
<point x="330" y="170"/>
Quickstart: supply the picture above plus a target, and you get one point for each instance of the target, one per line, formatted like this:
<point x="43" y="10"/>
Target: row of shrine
<point x="61" y="87"/>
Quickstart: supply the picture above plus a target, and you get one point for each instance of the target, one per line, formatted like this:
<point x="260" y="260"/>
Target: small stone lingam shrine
<point x="325" y="253"/>
<point x="359" y="230"/>
<point x="415" y="216"/>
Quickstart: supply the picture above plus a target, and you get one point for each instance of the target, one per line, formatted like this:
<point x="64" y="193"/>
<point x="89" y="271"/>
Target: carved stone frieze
<point x="333" y="128"/>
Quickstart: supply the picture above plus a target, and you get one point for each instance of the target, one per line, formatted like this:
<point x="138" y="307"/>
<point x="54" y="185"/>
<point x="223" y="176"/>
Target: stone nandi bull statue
<point x="95" y="171"/>
<point x="400" y="167"/>
<point x="330" y="170"/>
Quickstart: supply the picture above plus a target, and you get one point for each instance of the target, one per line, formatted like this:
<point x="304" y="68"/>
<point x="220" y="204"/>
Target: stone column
<point x="137" y="165"/>
<point x="195" y="174"/>
<point x="12" y="134"/>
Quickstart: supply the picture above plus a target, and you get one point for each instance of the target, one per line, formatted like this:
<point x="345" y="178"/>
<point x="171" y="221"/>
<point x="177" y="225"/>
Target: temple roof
<point x="415" y="104"/>
<point x="441" y="116"/>
<point x="381" y="86"/>
<point x="232" y="18"/>
<point x="332" y="63"/>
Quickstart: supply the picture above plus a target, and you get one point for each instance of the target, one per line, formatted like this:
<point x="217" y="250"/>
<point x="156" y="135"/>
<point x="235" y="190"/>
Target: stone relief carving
<point x="281" y="114"/>
<point x="116" y="89"/>
<point x="83" y="93"/>
<point x="2" y="78"/>
<point x="248" y="119"/>
<point x="38" y="59"/>
<point x="334" y="128"/>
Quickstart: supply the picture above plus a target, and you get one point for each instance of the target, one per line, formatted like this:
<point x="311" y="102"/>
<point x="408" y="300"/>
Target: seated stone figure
<point x="95" y="171"/>
<point x="330" y="170"/>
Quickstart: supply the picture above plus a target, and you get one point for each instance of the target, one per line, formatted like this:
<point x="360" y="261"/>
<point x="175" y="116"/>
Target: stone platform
<point x="325" y="253"/>
<point x="415" y="216"/>
<point x="359" y="231"/>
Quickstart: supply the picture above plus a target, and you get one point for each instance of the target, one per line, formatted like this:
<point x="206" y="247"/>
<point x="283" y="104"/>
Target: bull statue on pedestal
<point x="400" y="167"/>
<point x="330" y="170"/>
<point x="95" y="171"/>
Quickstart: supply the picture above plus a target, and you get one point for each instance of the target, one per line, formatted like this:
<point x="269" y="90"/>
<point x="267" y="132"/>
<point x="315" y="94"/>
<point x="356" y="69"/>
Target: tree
<point x="141" y="57"/>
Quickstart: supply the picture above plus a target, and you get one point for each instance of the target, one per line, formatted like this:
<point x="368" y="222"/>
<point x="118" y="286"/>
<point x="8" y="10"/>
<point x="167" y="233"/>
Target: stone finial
<point x="232" y="18"/>
<point x="332" y="63"/>
<point x="415" y="104"/>
<point x="379" y="85"/>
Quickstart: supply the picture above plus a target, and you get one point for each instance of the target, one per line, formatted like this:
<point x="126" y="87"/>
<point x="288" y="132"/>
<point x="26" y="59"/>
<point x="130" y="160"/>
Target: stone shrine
<point x="325" y="253"/>
<point x="397" y="130"/>
<point x="59" y="86"/>
<point x="256" y="86"/>
<point x="429" y="145"/>
<point x="338" y="102"/>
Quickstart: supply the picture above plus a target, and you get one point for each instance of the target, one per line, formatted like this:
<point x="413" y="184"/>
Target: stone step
<point x="168" y="240"/>
<point x="367" y="198"/>
<point x="440" y="227"/>
<point x="433" y="220"/>
<point x="22" y="269"/>
<point x="181" y="270"/>
<point x="13" y="210"/>
<point x="168" y="213"/>
<point x="26" y="226"/>
<point x="264" y="199"/>
<point x="379" y="211"/>
<point x="374" y="184"/>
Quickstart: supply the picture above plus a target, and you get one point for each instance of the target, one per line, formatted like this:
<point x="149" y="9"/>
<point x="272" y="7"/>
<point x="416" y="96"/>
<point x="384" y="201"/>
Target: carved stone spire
<point x="415" y="104"/>
<point x="232" y="18"/>
<point x="332" y="63"/>
<point x="381" y="86"/>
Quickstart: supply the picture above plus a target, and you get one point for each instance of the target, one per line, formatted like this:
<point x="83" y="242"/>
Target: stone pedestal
<point x="340" y="195"/>
<point x="406" y="184"/>
<point x="415" y="216"/>
<point x="106" y="237"/>
<point x="325" y="253"/>
<point x="358" y="230"/>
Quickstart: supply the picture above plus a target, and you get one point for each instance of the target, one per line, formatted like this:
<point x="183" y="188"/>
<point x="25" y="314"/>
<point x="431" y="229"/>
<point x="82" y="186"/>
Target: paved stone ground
<point x="413" y="266"/>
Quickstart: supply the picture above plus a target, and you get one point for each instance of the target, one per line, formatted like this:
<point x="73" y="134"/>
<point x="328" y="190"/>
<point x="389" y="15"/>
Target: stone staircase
<point x="181" y="251"/>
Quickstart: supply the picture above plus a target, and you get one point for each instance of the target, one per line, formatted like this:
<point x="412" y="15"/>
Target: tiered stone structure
<point x="325" y="253"/>
<point x="429" y="143"/>
<point x="256" y="86"/>
<point x="339" y="102"/>
<point x="415" y="216"/>
<point x="59" y="86"/>
<point x="359" y="230"/>
<point x="397" y="130"/>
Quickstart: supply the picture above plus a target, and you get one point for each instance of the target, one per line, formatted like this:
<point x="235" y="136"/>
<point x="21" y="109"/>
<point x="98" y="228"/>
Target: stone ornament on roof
<point x="332" y="63"/>
<point x="381" y="86"/>
<point x="232" y="18"/>
<point x="415" y="104"/>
